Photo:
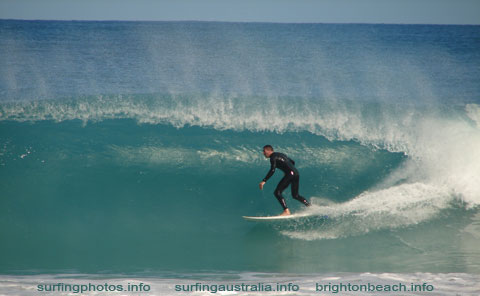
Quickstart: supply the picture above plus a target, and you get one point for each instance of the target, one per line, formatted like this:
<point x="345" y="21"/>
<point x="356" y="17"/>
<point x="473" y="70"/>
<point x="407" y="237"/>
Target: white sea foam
<point x="443" y="169"/>
<point x="185" y="157"/>
<point x="394" y="207"/>
<point x="339" y="157"/>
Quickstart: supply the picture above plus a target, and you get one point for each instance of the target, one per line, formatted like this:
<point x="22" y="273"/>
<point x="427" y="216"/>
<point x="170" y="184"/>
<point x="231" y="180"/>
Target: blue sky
<point x="317" y="11"/>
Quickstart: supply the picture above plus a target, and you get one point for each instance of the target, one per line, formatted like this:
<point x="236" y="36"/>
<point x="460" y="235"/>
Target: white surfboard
<point x="276" y="218"/>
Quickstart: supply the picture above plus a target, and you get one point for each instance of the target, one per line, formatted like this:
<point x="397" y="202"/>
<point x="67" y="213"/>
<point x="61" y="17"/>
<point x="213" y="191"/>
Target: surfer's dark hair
<point x="269" y="147"/>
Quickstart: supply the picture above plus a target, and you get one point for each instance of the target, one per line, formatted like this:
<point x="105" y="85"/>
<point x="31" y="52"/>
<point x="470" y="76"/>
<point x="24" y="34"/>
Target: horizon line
<point x="236" y="22"/>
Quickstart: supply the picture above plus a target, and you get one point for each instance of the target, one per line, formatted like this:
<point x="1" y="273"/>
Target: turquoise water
<point x="136" y="147"/>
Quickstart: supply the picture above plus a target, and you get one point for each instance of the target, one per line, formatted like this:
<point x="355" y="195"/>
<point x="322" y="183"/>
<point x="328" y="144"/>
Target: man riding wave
<point x="287" y="165"/>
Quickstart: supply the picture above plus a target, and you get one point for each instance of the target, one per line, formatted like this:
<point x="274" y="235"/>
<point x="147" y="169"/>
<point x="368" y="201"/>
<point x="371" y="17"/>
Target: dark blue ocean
<point x="135" y="148"/>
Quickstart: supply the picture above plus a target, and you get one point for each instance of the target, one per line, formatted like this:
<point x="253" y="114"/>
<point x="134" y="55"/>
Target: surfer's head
<point x="267" y="150"/>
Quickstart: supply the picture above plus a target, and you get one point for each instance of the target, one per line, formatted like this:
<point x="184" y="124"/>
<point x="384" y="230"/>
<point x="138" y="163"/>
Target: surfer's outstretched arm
<point x="273" y="166"/>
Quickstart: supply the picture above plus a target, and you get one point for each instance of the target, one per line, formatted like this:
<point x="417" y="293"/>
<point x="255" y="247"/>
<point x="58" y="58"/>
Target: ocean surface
<point x="131" y="150"/>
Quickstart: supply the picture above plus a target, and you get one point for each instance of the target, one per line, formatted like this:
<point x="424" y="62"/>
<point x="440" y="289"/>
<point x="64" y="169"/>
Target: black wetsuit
<point x="281" y="161"/>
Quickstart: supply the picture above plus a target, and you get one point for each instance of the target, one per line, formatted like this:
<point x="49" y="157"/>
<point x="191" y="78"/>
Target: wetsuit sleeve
<point x="273" y="166"/>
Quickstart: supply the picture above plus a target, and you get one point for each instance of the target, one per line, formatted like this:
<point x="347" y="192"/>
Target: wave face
<point x="137" y="146"/>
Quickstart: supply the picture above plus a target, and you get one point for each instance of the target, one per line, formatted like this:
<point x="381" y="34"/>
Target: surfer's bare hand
<point x="261" y="185"/>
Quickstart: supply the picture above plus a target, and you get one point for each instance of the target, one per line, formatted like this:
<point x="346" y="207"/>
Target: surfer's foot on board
<point x="285" y="213"/>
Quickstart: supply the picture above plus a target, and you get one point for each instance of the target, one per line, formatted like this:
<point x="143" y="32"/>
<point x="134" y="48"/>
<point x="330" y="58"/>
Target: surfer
<point x="287" y="165"/>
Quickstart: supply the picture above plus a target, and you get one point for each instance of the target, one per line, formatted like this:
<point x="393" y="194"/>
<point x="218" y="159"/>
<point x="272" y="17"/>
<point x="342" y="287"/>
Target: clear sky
<point x="317" y="11"/>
